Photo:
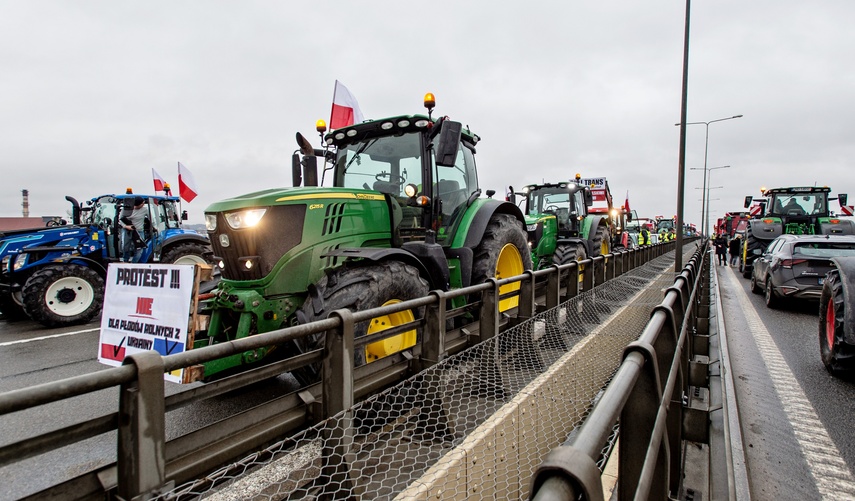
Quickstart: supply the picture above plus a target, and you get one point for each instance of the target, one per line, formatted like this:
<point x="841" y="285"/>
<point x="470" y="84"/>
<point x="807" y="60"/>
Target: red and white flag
<point x="158" y="181"/>
<point x="345" y="109"/>
<point x="847" y="210"/>
<point x="186" y="184"/>
<point x="626" y="204"/>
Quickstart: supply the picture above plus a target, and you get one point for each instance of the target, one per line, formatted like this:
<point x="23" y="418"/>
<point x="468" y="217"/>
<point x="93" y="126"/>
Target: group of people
<point x="722" y="247"/>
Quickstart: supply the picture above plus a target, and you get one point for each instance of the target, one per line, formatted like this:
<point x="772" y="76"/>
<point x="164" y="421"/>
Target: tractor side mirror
<point x="184" y="216"/>
<point x="511" y="196"/>
<point x="842" y="198"/>
<point x="490" y="193"/>
<point x="310" y="170"/>
<point x="589" y="197"/>
<point x="449" y="143"/>
<point x="748" y="199"/>
<point x="629" y="217"/>
<point x="296" y="170"/>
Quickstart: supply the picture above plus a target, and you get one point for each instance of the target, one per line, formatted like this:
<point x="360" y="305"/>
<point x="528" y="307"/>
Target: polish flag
<point x="158" y="181"/>
<point x="626" y="204"/>
<point x="345" y="109"/>
<point x="186" y="184"/>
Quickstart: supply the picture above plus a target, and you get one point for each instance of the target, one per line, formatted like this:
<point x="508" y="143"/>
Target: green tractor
<point x="795" y="211"/>
<point x="404" y="216"/>
<point x="560" y="229"/>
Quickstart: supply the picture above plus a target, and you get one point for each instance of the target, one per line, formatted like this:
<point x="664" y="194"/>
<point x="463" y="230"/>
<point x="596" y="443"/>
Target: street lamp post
<point x="705" y="210"/>
<point x="706" y="147"/>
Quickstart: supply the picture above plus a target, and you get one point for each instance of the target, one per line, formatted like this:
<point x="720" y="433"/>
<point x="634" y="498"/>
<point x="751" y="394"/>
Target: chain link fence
<point x="474" y="426"/>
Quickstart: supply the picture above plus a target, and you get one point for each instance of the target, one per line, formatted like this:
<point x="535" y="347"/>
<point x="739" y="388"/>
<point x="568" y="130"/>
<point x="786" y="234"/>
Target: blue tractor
<point x="55" y="275"/>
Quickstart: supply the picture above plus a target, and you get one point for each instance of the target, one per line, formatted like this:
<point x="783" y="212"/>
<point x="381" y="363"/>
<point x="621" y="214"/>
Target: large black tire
<point x="601" y="243"/>
<point x="188" y="253"/>
<point x="567" y="253"/>
<point x="64" y="294"/>
<point x="10" y="310"/>
<point x="748" y="257"/>
<point x="494" y="260"/>
<point x="755" y="287"/>
<point x="357" y="289"/>
<point x="772" y="300"/>
<point x="837" y="356"/>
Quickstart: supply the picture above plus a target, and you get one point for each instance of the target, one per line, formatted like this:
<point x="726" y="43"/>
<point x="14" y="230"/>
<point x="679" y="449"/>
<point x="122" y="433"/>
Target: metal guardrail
<point x="650" y="393"/>
<point x="147" y="464"/>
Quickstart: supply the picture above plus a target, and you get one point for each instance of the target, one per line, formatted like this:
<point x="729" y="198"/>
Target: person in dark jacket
<point x="735" y="248"/>
<point x="721" y="249"/>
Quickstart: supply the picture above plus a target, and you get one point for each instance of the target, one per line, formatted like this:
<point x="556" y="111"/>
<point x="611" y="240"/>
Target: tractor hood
<point x="281" y="196"/>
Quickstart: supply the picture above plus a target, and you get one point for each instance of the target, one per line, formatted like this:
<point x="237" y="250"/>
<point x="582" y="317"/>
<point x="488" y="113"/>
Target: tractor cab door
<point x="104" y="215"/>
<point x="453" y="186"/>
<point x="155" y="231"/>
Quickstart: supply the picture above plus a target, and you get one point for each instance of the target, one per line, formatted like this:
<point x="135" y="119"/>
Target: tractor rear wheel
<point x="837" y="356"/>
<point x="357" y="289"/>
<point x="567" y="253"/>
<point x="601" y="243"/>
<point x="502" y="253"/>
<point x="63" y="295"/>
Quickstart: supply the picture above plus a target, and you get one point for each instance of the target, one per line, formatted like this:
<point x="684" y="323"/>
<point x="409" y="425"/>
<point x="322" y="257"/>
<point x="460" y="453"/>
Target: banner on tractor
<point x="146" y="307"/>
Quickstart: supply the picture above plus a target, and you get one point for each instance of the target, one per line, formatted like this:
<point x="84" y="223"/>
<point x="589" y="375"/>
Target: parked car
<point x="794" y="266"/>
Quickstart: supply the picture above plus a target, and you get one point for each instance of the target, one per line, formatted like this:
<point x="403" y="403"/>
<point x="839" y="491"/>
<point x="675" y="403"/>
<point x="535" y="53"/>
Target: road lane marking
<point x="42" y="338"/>
<point x="827" y="467"/>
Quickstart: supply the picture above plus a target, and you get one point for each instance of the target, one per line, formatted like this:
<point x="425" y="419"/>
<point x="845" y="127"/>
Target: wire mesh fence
<point x="474" y="426"/>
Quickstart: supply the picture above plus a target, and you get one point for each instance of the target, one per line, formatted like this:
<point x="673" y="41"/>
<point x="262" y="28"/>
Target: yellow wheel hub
<point x="509" y="264"/>
<point x="394" y="344"/>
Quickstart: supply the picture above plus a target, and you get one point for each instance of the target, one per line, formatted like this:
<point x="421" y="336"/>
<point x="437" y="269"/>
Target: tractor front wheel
<point x="837" y="356"/>
<point x="188" y="253"/>
<point x="361" y="288"/>
<point x="63" y="295"/>
<point x="502" y="253"/>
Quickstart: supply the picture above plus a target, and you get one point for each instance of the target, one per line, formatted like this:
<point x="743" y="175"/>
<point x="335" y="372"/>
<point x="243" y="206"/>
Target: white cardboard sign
<point x="146" y="307"/>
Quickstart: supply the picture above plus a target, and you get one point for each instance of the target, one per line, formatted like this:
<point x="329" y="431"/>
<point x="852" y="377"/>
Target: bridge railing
<point x="147" y="464"/>
<point x="649" y="395"/>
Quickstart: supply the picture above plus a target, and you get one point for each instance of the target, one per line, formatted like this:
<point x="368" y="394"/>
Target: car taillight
<point x="789" y="263"/>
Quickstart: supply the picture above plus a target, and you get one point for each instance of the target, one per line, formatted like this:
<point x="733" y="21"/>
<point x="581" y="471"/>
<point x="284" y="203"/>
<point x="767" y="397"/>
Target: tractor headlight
<point x="531" y="227"/>
<point x="20" y="261"/>
<point x="245" y="218"/>
<point x="211" y="222"/>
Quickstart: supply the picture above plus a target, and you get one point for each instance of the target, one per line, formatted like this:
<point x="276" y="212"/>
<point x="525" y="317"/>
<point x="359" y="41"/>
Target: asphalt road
<point x="796" y="419"/>
<point x="31" y="355"/>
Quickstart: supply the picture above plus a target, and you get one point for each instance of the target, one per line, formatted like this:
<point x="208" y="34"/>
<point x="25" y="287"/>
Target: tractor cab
<point x="423" y="167"/>
<point x="106" y="211"/>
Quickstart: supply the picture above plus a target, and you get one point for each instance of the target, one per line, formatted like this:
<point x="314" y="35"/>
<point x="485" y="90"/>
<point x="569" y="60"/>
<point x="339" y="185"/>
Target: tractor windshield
<point x="555" y="200"/>
<point x="384" y="164"/>
<point x="799" y="204"/>
<point x="169" y="213"/>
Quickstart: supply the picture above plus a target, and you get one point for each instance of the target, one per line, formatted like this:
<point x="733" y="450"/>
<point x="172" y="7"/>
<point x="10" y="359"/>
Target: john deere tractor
<point x="559" y="227"/>
<point x="797" y="211"/>
<point x="403" y="216"/>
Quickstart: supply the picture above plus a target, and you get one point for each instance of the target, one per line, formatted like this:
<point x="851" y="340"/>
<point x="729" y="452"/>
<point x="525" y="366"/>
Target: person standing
<point x="645" y="236"/>
<point x="133" y="238"/>
<point x="721" y="249"/>
<point x="734" y="247"/>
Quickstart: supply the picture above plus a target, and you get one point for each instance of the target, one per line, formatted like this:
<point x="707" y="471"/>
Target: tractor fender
<point x="842" y="227"/>
<point x="596" y="222"/>
<point x="846" y="270"/>
<point x="94" y="264"/>
<point x="478" y="224"/>
<point x="377" y="254"/>
<point x="185" y="237"/>
<point x="762" y="230"/>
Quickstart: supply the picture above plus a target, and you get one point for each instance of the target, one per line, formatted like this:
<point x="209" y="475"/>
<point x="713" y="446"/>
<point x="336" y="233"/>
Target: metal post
<point x="141" y="440"/>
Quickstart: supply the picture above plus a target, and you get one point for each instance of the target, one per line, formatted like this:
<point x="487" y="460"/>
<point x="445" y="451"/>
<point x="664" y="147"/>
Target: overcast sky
<point x="97" y="93"/>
